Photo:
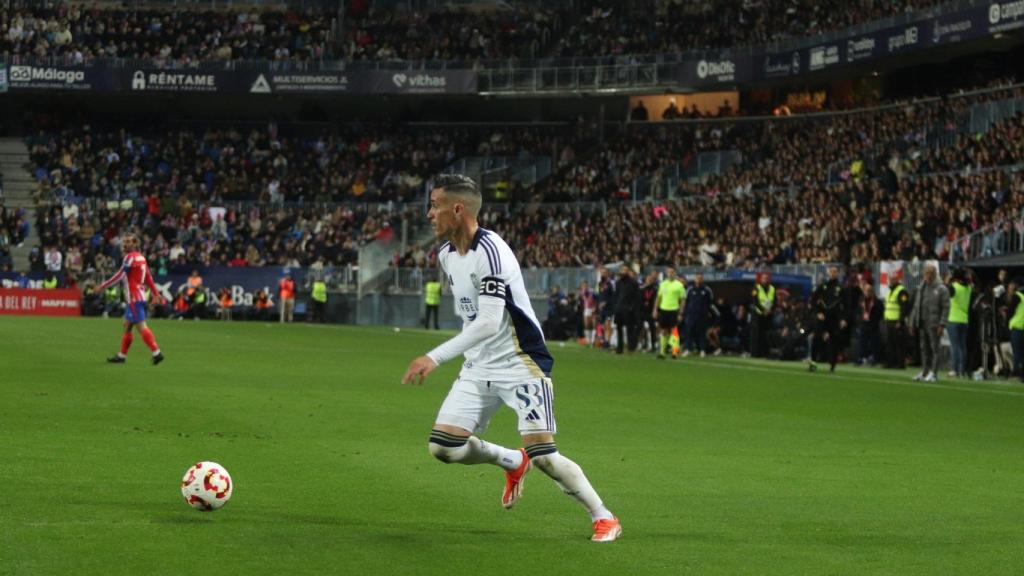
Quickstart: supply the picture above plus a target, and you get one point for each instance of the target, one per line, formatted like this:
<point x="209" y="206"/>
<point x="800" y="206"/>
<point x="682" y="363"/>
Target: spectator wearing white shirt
<point x="54" y="262"/>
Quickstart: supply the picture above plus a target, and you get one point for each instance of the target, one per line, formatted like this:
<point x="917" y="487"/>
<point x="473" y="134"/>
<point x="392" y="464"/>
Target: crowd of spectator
<point x="610" y="28"/>
<point x="372" y="163"/>
<point x="518" y="32"/>
<point x="526" y="30"/>
<point x="854" y="222"/>
<point x="900" y="183"/>
<point x="81" y="34"/>
<point x="184" y="237"/>
<point x="352" y="163"/>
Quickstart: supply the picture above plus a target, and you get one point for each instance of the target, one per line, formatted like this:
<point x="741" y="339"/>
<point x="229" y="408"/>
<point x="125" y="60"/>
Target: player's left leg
<point x="544" y="454"/>
<point x="126" y="343"/>
<point x="534" y="403"/>
<point x="150" y="340"/>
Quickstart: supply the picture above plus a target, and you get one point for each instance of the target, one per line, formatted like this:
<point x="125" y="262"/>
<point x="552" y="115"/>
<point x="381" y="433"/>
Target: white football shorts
<point x="471" y="404"/>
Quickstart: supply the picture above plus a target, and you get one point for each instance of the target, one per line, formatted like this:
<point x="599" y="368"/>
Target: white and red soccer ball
<point x="206" y="486"/>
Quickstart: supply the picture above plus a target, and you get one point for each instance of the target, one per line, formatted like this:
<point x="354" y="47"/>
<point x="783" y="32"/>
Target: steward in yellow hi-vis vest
<point x="432" y="299"/>
<point x="1015" y="295"/>
<point x="763" y="306"/>
<point x="897" y="308"/>
<point x="318" y="296"/>
<point x="957" y="321"/>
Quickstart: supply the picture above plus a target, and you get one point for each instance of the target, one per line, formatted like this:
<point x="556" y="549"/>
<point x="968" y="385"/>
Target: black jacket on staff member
<point x="829" y="303"/>
<point x="627" y="294"/>
<point x="699" y="300"/>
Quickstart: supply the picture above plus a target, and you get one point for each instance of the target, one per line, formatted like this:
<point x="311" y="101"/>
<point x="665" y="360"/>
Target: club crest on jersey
<point x="467" y="308"/>
<point x="473" y="278"/>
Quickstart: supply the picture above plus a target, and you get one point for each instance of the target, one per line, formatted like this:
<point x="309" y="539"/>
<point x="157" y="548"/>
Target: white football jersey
<point x="490" y="269"/>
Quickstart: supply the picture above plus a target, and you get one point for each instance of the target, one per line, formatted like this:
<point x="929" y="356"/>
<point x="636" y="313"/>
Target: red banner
<point x="61" y="302"/>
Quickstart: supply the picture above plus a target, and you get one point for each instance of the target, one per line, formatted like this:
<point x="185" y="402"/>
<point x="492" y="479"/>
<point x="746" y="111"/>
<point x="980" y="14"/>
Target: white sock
<point x="474" y="451"/>
<point x="156" y="352"/>
<point x="483" y="452"/>
<point x="120" y="355"/>
<point x="571" y="479"/>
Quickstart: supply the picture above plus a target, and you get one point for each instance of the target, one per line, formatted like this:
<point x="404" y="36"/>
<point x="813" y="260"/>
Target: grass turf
<point x="715" y="466"/>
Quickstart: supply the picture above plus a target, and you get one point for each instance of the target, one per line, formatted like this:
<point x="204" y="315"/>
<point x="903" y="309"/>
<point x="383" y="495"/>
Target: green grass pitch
<point x="716" y="466"/>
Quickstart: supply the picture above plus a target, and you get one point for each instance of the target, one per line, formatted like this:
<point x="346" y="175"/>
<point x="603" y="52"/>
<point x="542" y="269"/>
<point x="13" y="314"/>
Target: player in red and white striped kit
<point x="135" y="275"/>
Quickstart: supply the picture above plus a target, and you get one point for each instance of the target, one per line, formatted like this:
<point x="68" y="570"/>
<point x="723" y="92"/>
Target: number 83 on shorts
<point x="471" y="404"/>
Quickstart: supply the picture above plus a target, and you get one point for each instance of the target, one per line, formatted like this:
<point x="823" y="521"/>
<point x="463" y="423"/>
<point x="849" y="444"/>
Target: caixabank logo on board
<point x="419" y="82"/>
<point x="719" y="71"/>
<point x="48" y="77"/>
<point x="173" y="82"/>
<point x="777" y="66"/>
<point x="1003" y="16"/>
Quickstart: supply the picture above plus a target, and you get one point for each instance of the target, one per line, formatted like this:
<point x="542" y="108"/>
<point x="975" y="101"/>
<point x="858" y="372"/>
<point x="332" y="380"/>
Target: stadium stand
<point x="594" y="28"/>
<point x="908" y="177"/>
<point x="186" y="236"/>
<point x="607" y="28"/>
<point x="521" y="32"/>
<point x="271" y="164"/>
<point x="79" y="33"/>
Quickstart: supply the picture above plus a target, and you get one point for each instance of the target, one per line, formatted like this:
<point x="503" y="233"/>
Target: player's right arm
<point x="494" y="273"/>
<point x="119" y="276"/>
<point x="490" y="311"/>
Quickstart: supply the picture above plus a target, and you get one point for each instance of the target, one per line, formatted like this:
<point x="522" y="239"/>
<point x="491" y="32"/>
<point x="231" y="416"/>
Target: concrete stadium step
<point x="12" y="145"/>
<point x="12" y="156"/>
<point x="11" y="202"/>
<point x="18" y="181"/>
<point x="12" y="193"/>
<point x="11" y="163"/>
<point x="19" y="186"/>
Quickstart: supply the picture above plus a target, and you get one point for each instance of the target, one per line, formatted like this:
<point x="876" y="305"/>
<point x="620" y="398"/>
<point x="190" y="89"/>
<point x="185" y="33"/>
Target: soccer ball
<point x="206" y="486"/>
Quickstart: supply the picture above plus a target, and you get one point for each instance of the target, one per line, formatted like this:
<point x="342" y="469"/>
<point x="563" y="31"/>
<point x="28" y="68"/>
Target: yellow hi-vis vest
<point x="766" y="298"/>
<point x="892" y="304"/>
<point x="1017" y="320"/>
<point x="320" y="291"/>
<point x="959" y="303"/>
<point x="432" y="293"/>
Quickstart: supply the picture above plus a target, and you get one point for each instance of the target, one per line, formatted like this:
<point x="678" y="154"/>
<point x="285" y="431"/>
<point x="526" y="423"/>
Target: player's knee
<point x="541" y="454"/>
<point x="446" y="447"/>
<point x="442" y="453"/>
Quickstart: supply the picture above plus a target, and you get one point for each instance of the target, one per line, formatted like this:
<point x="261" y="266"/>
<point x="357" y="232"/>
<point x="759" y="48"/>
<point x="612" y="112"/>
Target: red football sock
<point x="147" y="337"/>
<point x="126" y="343"/>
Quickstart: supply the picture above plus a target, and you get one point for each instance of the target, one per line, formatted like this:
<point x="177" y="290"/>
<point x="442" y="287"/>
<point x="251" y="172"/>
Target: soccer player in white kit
<point x="507" y="361"/>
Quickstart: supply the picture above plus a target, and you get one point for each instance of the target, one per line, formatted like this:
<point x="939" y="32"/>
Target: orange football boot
<point x="514" y="482"/>
<point x="606" y="530"/>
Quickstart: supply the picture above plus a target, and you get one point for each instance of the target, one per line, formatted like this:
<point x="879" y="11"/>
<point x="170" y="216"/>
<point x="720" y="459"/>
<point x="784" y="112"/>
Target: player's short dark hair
<point x="457" y="184"/>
